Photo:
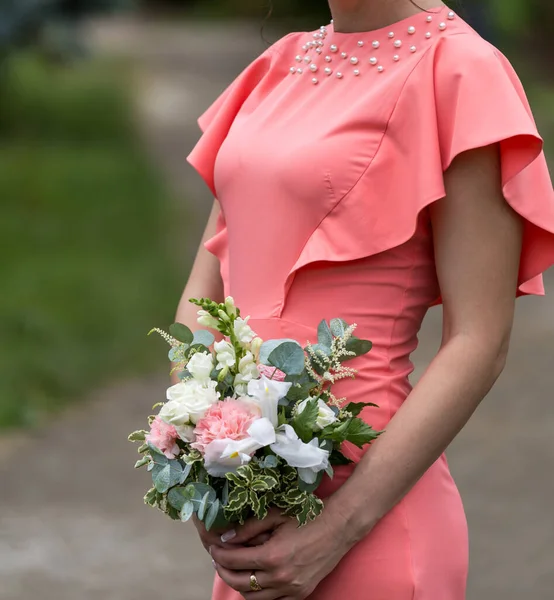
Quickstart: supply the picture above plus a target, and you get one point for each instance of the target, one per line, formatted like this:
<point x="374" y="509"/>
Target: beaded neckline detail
<point x="322" y="57"/>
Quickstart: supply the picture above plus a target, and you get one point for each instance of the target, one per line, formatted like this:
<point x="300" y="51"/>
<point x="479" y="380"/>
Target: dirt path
<point x="72" y="524"/>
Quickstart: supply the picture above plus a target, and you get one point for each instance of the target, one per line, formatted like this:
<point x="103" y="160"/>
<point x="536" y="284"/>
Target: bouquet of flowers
<point x="252" y="423"/>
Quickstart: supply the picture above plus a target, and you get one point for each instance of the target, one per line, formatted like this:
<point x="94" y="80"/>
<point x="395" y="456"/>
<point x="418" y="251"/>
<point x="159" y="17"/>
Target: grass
<point x="85" y="270"/>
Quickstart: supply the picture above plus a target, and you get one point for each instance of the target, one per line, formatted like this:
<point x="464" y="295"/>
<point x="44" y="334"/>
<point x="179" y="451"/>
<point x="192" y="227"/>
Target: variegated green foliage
<point x="255" y="487"/>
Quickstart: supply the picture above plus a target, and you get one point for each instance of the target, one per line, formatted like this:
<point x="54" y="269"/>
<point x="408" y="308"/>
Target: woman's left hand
<point x="289" y="565"/>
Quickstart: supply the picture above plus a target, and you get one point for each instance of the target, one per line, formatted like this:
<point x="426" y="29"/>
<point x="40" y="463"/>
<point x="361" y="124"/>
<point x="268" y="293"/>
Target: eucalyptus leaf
<point x="181" y="332"/>
<point x="324" y="335"/>
<point x="267" y="348"/>
<point x="204" y="337"/>
<point x="187" y="511"/>
<point x="203" y="506"/>
<point x="212" y="514"/>
<point x="289" y="357"/>
<point x="177" y="496"/>
<point x="165" y="473"/>
<point x="338" y="327"/>
<point x="358" y="346"/>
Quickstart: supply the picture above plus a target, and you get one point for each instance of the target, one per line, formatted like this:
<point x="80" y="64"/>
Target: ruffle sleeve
<point x="463" y="94"/>
<point x="243" y="94"/>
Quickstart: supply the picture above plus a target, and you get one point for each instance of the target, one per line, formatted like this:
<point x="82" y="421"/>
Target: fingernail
<point x="214" y="565"/>
<point x="228" y="535"/>
<point x="210" y="550"/>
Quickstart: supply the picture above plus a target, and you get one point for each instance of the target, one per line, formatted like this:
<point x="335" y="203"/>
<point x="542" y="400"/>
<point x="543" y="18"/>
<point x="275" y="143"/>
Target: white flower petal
<point x="298" y="454"/>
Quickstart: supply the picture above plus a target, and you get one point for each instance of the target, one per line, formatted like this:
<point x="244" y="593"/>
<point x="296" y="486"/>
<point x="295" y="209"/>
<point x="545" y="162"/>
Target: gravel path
<point x="72" y="523"/>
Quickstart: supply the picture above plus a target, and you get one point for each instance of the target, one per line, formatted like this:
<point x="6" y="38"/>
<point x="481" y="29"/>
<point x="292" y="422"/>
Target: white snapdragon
<point x="189" y="399"/>
<point x="265" y="394"/>
<point x="205" y="319"/>
<point x="230" y="306"/>
<point x="255" y="346"/>
<point x="200" y="366"/>
<point x="248" y="371"/>
<point x="243" y="332"/>
<point x="309" y="458"/>
<point x="325" y="415"/>
<point x="225" y="354"/>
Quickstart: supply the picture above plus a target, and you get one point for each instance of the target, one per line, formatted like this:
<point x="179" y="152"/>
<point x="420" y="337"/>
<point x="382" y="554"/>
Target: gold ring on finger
<point x="254" y="585"/>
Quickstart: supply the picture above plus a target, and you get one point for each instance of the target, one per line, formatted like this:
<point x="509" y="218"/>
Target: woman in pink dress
<point x="377" y="166"/>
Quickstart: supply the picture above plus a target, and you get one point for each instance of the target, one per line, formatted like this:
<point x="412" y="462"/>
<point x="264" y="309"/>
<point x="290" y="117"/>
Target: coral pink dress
<point x="325" y="154"/>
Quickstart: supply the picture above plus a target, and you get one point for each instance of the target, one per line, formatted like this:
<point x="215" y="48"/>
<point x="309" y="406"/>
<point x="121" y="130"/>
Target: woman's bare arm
<point x="477" y="238"/>
<point x="204" y="280"/>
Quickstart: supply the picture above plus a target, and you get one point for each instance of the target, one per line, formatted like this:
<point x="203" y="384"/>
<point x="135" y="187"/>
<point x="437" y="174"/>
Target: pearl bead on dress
<point x="378" y="61"/>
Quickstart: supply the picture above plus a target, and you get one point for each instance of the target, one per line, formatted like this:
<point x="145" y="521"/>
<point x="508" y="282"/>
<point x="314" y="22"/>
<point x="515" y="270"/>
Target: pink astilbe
<point x="229" y="419"/>
<point x="272" y="373"/>
<point x="164" y="437"/>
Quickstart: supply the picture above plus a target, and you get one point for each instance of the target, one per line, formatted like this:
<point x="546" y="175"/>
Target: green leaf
<point x="255" y="503"/>
<point x="310" y="487"/>
<point x="203" y="506"/>
<point x="225" y="493"/>
<point x="338" y="458"/>
<point x="137" y="436"/>
<point x="263" y="483"/>
<point x="246" y="473"/>
<point x="151" y="497"/>
<point x="165" y="473"/>
<point x="212" y="514"/>
<point x="360" y="433"/>
<point x="337" y="431"/>
<point x="187" y="511"/>
<point x="300" y="393"/>
<point x="289" y="357"/>
<point x="178" y="496"/>
<point x="358" y="346"/>
<point x="237" y="499"/>
<point x="141" y="462"/>
<point x="324" y="335"/>
<point x="233" y="478"/>
<point x="338" y="327"/>
<point x="267" y="348"/>
<point x="181" y="332"/>
<point x="294" y="496"/>
<point x="186" y="472"/>
<point x="304" y="423"/>
<point x="355" y="408"/>
<point x="204" y="337"/>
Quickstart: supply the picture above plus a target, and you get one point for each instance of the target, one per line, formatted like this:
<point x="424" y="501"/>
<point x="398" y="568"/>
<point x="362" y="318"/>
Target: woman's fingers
<point x="259" y="540"/>
<point x="240" y="582"/>
<point x="237" y="558"/>
<point x="252" y="528"/>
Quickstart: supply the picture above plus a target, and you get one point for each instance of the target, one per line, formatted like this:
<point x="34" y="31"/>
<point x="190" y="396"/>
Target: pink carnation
<point x="272" y="373"/>
<point x="164" y="437"/>
<point x="229" y="419"/>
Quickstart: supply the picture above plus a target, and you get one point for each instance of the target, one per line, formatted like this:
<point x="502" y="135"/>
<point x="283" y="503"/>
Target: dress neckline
<point x="399" y="25"/>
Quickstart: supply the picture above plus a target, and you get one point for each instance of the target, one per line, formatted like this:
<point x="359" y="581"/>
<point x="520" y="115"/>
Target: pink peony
<point x="164" y="437"/>
<point x="272" y="373"/>
<point x="229" y="419"/>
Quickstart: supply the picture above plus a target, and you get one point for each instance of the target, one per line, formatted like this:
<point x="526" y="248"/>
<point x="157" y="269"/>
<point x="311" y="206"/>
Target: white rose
<point x="225" y="354"/>
<point x="242" y="330"/>
<point x="205" y="319"/>
<point x="200" y="366"/>
<point x="174" y="413"/>
<point x="193" y="397"/>
<point x="325" y="415"/>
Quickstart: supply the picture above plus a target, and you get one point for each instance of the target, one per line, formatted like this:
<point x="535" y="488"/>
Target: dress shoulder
<point x="243" y="94"/>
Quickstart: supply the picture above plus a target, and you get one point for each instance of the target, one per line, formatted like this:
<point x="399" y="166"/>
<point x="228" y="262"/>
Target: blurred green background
<point x="87" y="267"/>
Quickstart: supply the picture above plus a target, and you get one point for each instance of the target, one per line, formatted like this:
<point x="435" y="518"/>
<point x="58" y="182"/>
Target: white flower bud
<point x="230" y="306"/>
